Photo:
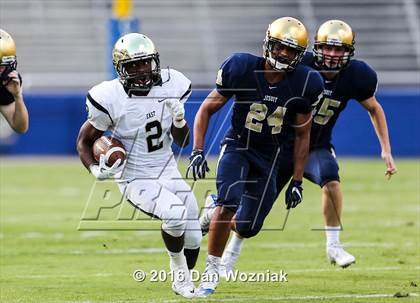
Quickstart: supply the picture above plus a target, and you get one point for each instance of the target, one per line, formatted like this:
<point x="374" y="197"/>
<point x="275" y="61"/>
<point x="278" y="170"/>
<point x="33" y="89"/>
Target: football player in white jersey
<point x="144" y="109"/>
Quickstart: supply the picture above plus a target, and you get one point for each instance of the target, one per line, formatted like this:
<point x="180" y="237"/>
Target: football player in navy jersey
<point x="273" y="97"/>
<point x="12" y="106"/>
<point x="344" y="79"/>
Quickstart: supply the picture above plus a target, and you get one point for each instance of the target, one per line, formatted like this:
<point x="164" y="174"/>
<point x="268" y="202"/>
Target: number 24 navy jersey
<point x="263" y="113"/>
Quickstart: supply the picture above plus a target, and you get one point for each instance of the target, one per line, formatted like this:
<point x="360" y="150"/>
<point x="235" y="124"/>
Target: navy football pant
<point x="246" y="183"/>
<point x="321" y="168"/>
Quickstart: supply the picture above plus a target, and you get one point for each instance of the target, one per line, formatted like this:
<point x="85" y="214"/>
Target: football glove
<point x="198" y="165"/>
<point x="294" y="194"/>
<point x="176" y="108"/>
<point x="102" y="171"/>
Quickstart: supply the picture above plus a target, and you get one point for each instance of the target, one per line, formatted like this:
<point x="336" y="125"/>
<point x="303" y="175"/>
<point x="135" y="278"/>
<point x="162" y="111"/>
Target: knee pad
<point x="174" y="221"/>
<point x="192" y="238"/>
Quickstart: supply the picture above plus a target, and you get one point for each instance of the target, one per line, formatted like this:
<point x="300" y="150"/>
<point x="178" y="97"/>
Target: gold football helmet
<point x="334" y="33"/>
<point x="136" y="61"/>
<point x="289" y="32"/>
<point x="7" y="54"/>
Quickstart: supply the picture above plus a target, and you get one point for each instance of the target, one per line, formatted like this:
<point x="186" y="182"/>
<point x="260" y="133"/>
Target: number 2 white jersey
<point x="142" y="124"/>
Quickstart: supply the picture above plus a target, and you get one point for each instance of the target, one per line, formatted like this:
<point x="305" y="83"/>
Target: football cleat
<point x="227" y="264"/>
<point x="337" y="255"/>
<point x="208" y="212"/>
<point x="184" y="289"/>
<point x="209" y="279"/>
<point x="182" y="284"/>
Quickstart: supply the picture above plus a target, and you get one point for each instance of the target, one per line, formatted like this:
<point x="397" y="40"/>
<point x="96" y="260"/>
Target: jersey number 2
<point x="157" y="132"/>
<point x="258" y="111"/>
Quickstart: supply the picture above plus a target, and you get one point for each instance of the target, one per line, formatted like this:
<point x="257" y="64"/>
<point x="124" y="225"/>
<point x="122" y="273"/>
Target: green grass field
<point x="45" y="258"/>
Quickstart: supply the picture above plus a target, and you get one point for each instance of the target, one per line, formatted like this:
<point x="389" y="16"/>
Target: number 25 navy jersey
<point x="357" y="81"/>
<point x="263" y="113"/>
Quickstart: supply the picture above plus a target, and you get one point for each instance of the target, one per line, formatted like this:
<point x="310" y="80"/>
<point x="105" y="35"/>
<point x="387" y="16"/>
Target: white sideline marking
<point x="151" y="250"/>
<point x="259" y="245"/>
<point x="37" y="235"/>
<point x="304" y="245"/>
<point x="32" y="235"/>
<point x="305" y="298"/>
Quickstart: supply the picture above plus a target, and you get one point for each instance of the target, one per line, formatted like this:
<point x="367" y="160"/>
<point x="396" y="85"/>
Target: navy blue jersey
<point x="357" y="81"/>
<point x="263" y="113"/>
<point x="5" y="96"/>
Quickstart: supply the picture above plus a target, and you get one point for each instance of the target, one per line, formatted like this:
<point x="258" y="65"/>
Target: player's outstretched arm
<point x="87" y="136"/>
<point x="213" y="102"/>
<point x="198" y="164"/>
<point x="294" y="192"/>
<point x="16" y="113"/>
<point x="303" y="124"/>
<point x="377" y="116"/>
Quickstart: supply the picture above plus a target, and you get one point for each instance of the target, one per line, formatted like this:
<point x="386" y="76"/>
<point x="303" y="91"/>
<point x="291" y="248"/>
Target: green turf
<point x="45" y="258"/>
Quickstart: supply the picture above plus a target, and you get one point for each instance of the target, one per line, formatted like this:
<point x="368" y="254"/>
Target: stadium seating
<point x="65" y="43"/>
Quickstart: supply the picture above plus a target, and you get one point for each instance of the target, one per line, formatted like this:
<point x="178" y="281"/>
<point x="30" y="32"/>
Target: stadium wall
<point x="55" y="119"/>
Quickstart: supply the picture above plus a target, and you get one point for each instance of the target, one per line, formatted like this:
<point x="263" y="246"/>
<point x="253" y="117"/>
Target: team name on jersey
<point x="270" y="98"/>
<point x="150" y="115"/>
<point x="328" y="92"/>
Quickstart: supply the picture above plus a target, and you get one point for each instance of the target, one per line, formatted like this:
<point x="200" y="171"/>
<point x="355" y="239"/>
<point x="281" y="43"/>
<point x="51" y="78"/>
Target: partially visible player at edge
<point x="344" y="79"/>
<point x="144" y="109"/>
<point x="273" y="99"/>
<point x="12" y="106"/>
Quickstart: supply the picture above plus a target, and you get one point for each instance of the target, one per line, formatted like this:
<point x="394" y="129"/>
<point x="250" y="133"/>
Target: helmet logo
<point x="334" y="41"/>
<point x="290" y="40"/>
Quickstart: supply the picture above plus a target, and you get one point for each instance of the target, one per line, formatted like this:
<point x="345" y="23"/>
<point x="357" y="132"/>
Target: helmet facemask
<point x="10" y="64"/>
<point x="332" y="63"/>
<point x="139" y="73"/>
<point x="279" y="62"/>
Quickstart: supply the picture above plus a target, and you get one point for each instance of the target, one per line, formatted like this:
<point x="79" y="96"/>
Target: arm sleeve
<point x="98" y="115"/>
<point x="366" y="82"/>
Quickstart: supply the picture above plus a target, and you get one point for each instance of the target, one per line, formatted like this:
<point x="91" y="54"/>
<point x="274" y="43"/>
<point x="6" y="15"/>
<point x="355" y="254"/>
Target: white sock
<point x="214" y="259"/>
<point x="333" y="234"/>
<point x="235" y="244"/>
<point x="177" y="259"/>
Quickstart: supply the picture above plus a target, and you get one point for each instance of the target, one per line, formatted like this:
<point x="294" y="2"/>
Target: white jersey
<point x="142" y="124"/>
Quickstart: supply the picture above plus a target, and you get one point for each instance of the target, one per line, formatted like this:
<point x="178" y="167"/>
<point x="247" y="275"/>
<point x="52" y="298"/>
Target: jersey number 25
<point x="324" y="114"/>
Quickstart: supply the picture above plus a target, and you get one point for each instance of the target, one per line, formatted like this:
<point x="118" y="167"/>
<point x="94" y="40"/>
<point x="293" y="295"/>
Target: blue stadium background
<point x="64" y="63"/>
<point x="55" y="119"/>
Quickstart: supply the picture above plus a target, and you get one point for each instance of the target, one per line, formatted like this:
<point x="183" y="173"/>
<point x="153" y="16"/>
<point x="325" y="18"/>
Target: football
<point x="111" y="147"/>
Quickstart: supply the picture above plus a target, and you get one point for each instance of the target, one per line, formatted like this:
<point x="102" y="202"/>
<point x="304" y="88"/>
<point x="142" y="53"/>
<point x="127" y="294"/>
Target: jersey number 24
<point x="257" y="114"/>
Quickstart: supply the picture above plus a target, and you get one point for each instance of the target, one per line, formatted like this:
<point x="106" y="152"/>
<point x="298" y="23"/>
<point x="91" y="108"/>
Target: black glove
<point x="294" y="194"/>
<point x="198" y="165"/>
